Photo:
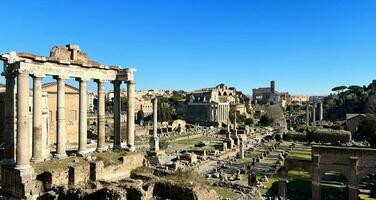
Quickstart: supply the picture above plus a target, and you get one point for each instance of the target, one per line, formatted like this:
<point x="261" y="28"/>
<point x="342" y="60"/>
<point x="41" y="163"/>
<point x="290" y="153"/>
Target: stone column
<point x="61" y="137"/>
<point x="241" y="149"/>
<point x="101" y="116"/>
<point x="154" y="140"/>
<point x="321" y="112"/>
<point x="307" y="115"/>
<point x="314" y="114"/>
<point x="117" y="111"/>
<point x="9" y="137"/>
<point x="82" y="144"/>
<point x="316" y="177"/>
<point x="38" y="145"/>
<point x="353" y="182"/>
<point x="131" y="89"/>
<point x="282" y="183"/>
<point x="22" y="144"/>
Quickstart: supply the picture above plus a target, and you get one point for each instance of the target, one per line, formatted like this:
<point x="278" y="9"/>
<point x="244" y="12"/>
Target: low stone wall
<point x="114" y="172"/>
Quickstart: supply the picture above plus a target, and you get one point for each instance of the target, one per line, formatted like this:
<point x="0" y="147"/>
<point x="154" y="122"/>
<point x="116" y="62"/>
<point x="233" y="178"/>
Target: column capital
<point x="9" y="74"/>
<point x="82" y="79"/>
<point x="63" y="78"/>
<point x="116" y="82"/>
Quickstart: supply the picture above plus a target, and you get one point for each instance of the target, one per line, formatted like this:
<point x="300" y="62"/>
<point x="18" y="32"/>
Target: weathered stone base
<point x="230" y="143"/>
<point x="154" y="144"/>
<point x="17" y="183"/>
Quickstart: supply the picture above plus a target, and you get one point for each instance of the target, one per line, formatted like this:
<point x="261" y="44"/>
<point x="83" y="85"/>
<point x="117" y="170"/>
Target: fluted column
<point x="82" y="145"/>
<point x="117" y="110"/>
<point x="101" y="116"/>
<point x="22" y="150"/>
<point x="282" y="183"/>
<point x="38" y="146"/>
<point x="61" y="137"/>
<point x="131" y="89"/>
<point x="9" y="137"/>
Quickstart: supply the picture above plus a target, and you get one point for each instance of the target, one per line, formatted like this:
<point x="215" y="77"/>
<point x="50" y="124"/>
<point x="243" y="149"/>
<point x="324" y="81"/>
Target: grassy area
<point x="226" y="193"/>
<point x="58" y="164"/>
<point x="110" y="157"/>
<point x="367" y="190"/>
<point x="299" y="155"/>
<point x="193" y="141"/>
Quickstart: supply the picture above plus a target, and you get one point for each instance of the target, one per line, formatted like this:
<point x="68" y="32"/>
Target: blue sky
<point x="307" y="46"/>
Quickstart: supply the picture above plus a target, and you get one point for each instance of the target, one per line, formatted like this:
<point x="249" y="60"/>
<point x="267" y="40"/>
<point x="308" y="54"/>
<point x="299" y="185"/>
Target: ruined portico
<point x="62" y="64"/>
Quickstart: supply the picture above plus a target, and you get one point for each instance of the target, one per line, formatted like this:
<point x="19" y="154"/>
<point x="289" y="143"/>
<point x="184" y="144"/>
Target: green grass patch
<point x="226" y="193"/>
<point x="299" y="155"/>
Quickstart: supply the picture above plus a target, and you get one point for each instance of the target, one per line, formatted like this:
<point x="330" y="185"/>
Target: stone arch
<point x="300" y="180"/>
<point x="345" y="171"/>
<point x="224" y="93"/>
<point x="331" y="186"/>
<point x="365" y="183"/>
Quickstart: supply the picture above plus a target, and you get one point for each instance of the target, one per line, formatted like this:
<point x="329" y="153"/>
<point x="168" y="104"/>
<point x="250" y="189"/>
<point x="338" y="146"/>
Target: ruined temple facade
<point x="63" y="63"/>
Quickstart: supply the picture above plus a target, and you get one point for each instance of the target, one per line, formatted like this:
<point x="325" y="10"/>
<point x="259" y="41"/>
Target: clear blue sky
<point x="307" y="46"/>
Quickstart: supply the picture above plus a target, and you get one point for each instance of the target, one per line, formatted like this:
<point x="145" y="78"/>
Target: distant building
<point x="211" y="106"/>
<point x="91" y="101"/>
<point x="299" y="99"/>
<point x="269" y="95"/>
<point x="145" y="105"/>
<point x="353" y="120"/>
<point x="71" y="112"/>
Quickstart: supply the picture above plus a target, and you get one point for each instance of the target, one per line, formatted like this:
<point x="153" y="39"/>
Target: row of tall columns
<point x="20" y="154"/>
<point x="313" y="114"/>
<point x="131" y="93"/>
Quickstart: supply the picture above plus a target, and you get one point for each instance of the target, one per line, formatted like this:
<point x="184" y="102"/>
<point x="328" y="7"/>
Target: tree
<point x="367" y="129"/>
<point x="339" y="89"/>
<point x="248" y="121"/>
<point x="356" y="88"/>
<point x="265" y="120"/>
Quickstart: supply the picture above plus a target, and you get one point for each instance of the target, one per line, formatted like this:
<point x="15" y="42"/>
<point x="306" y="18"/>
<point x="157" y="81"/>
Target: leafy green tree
<point x="367" y="129"/>
<point x="339" y="89"/>
<point x="248" y="121"/>
<point x="265" y="120"/>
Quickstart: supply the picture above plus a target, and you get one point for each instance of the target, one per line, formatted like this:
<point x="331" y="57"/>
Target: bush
<point x="329" y="136"/>
<point x="163" y="144"/>
<point x="295" y="136"/>
<point x="248" y="121"/>
<point x="265" y="120"/>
